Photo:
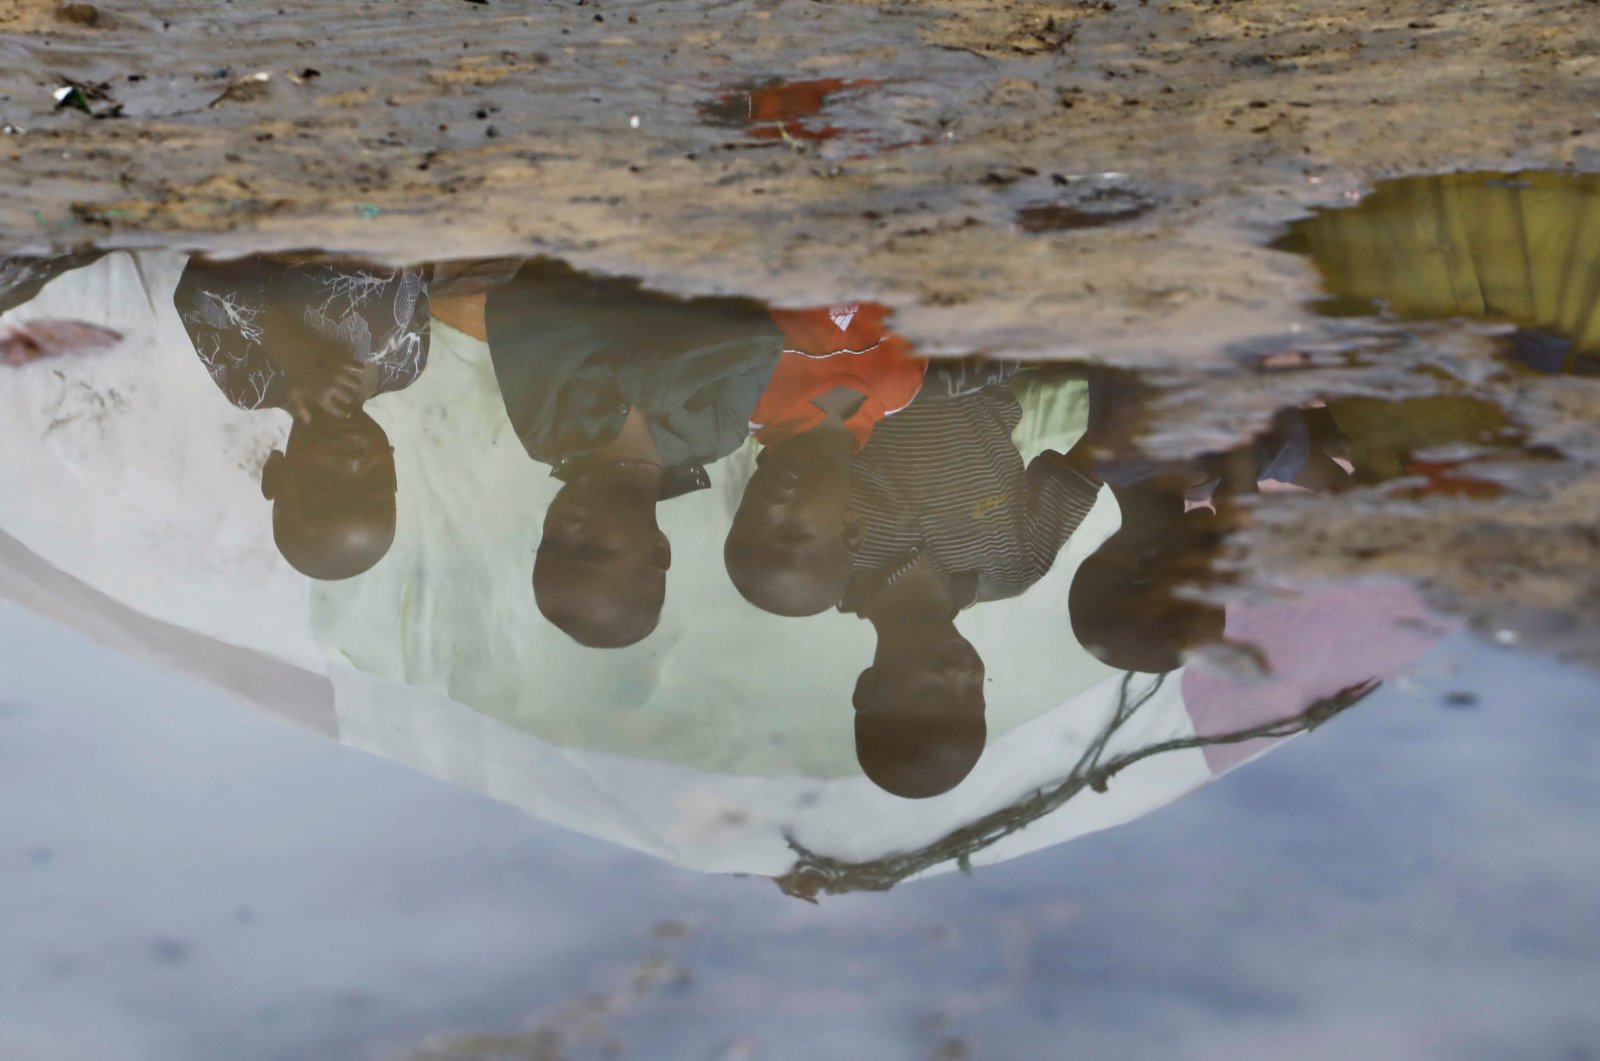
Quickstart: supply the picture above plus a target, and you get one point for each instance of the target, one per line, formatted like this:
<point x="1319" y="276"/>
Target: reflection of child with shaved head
<point x="627" y="395"/>
<point x="332" y="490"/>
<point x="317" y="340"/>
<point x="919" y="708"/>
<point x="793" y="538"/>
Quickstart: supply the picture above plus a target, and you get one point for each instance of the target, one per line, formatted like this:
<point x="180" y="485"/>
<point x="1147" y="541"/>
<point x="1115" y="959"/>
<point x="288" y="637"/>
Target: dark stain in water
<point x="1519" y="248"/>
<point x="1107" y="207"/>
<point x="1434" y="446"/>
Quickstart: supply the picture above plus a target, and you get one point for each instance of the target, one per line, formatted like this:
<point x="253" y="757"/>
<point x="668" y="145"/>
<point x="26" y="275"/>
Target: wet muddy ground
<point x="580" y="128"/>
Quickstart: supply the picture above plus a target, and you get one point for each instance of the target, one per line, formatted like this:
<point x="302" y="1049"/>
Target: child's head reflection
<point x="793" y="538"/>
<point x="332" y="489"/>
<point x="920" y="706"/>
<point x="600" y="573"/>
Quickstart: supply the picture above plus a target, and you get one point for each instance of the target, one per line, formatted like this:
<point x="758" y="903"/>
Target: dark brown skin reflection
<point x="951" y="518"/>
<point x="600" y="572"/>
<point x="317" y="340"/>
<point x="892" y="490"/>
<point x="1124" y="605"/>
<point x="919" y="708"/>
<point x="332" y="490"/>
<point x="793" y="537"/>
<point x="627" y="395"/>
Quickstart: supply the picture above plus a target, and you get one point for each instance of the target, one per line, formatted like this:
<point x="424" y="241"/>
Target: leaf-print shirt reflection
<point x="237" y="313"/>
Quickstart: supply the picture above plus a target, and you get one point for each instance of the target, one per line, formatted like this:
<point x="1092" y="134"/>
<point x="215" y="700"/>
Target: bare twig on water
<point x="814" y="874"/>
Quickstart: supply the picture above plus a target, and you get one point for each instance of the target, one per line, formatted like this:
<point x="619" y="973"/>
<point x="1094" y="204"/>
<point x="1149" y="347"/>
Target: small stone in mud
<point x="80" y="14"/>
<point x="247" y="89"/>
<point x="1282" y="360"/>
<point x="94" y="100"/>
<point x="1004" y="175"/>
<point x="1060" y="217"/>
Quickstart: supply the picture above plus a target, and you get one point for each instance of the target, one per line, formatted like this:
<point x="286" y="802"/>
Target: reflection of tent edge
<point x="276" y="685"/>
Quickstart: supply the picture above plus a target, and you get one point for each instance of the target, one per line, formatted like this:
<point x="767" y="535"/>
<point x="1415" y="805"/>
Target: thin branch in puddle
<point x="813" y="874"/>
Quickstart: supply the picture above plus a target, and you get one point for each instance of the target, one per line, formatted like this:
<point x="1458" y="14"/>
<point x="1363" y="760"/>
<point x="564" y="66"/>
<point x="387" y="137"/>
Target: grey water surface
<point x="182" y="879"/>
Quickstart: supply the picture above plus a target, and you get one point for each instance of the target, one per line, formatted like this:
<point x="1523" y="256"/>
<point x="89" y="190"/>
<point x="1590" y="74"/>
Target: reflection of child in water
<point x="793" y="538"/>
<point x="950" y="516"/>
<point x="1122" y="602"/>
<point x="1327" y="643"/>
<point x="627" y="395"/>
<point x="318" y="341"/>
<point x="919" y="708"/>
<point x="1125" y="604"/>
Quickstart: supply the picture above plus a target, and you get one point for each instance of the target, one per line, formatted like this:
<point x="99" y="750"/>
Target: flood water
<point x="486" y="659"/>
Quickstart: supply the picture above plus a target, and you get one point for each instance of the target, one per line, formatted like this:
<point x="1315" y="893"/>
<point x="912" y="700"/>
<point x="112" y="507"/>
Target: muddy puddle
<point x="724" y="602"/>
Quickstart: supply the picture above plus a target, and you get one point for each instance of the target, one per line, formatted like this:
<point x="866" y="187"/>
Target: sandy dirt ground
<point x="453" y="127"/>
<point x="1172" y="139"/>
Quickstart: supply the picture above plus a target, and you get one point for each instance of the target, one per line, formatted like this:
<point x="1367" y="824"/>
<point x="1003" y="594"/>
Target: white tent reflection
<point x="131" y="512"/>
